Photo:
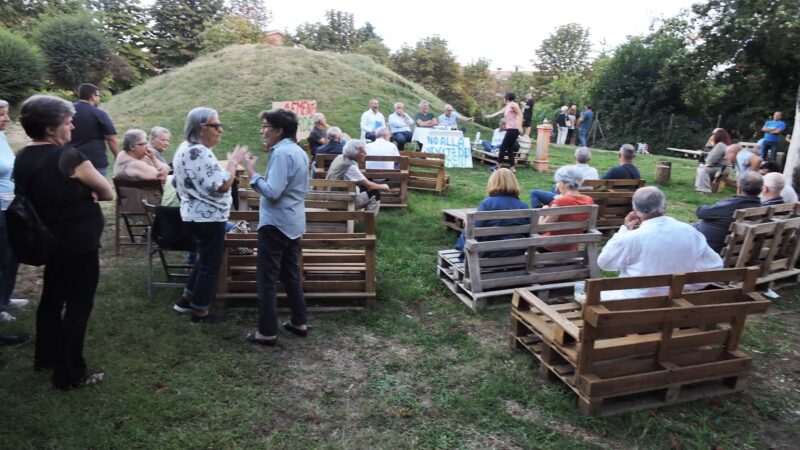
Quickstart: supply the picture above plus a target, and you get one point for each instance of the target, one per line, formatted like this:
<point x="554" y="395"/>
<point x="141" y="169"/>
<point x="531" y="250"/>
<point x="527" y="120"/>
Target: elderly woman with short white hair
<point x="135" y="162"/>
<point x="568" y="181"/>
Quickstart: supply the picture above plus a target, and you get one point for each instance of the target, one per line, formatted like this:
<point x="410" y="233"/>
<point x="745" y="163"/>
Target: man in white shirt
<point x="400" y="124"/>
<point x="650" y="243"/>
<point x="382" y="147"/>
<point x="371" y="120"/>
<point x="582" y="157"/>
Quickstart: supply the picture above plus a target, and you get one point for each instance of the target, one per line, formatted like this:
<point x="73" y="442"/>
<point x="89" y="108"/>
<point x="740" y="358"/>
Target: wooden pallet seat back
<point x="338" y="268"/>
<point x="130" y="210"/>
<point x="615" y="199"/>
<point x="331" y="195"/>
<point x="322" y="164"/>
<point x="427" y="171"/>
<point x="524" y="262"/>
<point x="767" y="237"/>
<point x="666" y="345"/>
<point x="396" y="178"/>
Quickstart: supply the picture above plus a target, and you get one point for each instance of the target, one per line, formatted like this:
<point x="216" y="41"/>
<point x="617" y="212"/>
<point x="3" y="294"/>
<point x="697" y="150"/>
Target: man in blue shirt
<point x="585" y="124"/>
<point x="625" y="170"/>
<point x="772" y="135"/>
<point x="450" y="118"/>
<point x="93" y="128"/>
<point x="282" y="221"/>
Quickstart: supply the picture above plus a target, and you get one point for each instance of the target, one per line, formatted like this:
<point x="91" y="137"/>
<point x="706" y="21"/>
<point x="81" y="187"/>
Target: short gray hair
<point x="751" y="182"/>
<point x="195" y="121"/>
<point x="352" y="147"/>
<point x="382" y="132"/>
<point x="774" y="181"/>
<point x="333" y="133"/>
<point x="583" y="155"/>
<point x="627" y="151"/>
<point x="130" y="137"/>
<point x="3" y="104"/>
<point x="570" y="176"/>
<point x="157" y="131"/>
<point x="423" y="103"/>
<point x="649" y="201"/>
<point x="317" y="117"/>
<point x="398" y="104"/>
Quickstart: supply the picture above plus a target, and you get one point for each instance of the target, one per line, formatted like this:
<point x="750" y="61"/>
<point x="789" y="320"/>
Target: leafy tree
<point x="21" y="67"/>
<point x="338" y="34"/>
<point x="253" y="10"/>
<point x="177" y="25"/>
<point x="232" y="29"/>
<point x="479" y="86"/>
<point x="75" y="49"/>
<point x="376" y="49"/>
<point x="431" y="64"/>
<point x="124" y="24"/>
<point x="22" y="15"/>
<point x="565" y="51"/>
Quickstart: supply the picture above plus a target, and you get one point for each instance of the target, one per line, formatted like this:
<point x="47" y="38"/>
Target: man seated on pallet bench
<point x="625" y="170"/>
<point x="787" y="193"/>
<point x="715" y="220"/>
<point x="771" y="192"/>
<point x="502" y="192"/>
<point x="383" y="146"/>
<point x="334" y="146"/>
<point x="651" y="243"/>
<point x="345" y="167"/>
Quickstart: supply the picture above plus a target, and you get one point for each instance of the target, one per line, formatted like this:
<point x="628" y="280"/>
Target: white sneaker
<point x="6" y="317"/>
<point x="18" y="303"/>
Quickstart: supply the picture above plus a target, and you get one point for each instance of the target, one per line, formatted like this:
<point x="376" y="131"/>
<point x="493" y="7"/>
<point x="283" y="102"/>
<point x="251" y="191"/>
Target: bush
<point x="21" y="67"/>
<point x="75" y="49"/>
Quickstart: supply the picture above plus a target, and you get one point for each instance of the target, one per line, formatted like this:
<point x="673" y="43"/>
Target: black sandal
<point x="296" y="331"/>
<point x="251" y="338"/>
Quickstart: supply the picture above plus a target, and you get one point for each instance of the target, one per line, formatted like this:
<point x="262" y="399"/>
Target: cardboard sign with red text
<point x="304" y="110"/>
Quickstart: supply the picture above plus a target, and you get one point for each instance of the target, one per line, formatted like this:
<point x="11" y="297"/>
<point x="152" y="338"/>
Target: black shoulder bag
<point x="29" y="238"/>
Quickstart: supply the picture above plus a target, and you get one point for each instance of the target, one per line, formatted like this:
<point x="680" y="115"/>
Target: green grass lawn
<point x="418" y="371"/>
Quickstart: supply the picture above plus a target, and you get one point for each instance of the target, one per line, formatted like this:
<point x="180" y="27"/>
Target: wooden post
<point x="663" y="170"/>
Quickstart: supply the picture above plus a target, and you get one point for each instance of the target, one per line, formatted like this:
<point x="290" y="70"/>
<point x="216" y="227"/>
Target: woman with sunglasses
<point x="204" y="189"/>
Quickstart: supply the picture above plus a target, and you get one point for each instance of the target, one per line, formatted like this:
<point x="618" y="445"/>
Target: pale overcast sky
<point x="507" y="32"/>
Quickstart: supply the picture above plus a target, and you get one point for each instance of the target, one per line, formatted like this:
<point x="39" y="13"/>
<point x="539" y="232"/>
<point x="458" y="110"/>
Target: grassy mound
<point x="241" y="81"/>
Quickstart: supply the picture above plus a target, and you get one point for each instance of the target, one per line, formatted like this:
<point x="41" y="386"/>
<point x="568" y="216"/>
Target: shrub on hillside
<point x="75" y="49"/>
<point x="21" y="67"/>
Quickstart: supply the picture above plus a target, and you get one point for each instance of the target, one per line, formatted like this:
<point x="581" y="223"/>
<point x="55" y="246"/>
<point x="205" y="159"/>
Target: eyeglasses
<point x="217" y="126"/>
<point x="140" y="143"/>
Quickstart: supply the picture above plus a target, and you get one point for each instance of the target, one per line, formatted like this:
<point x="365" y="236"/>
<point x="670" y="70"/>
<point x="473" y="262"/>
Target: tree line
<point x="722" y="62"/>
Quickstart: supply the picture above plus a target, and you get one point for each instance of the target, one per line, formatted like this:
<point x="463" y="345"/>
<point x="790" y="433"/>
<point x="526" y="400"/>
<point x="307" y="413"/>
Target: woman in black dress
<point x="64" y="187"/>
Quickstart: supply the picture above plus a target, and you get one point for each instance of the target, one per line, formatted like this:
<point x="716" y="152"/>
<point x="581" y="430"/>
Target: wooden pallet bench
<point x="767" y="237"/>
<point x="614" y="197"/>
<point x="454" y="218"/>
<point x="642" y="353"/>
<point x="480" y="281"/>
<point x="338" y="268"/>
<point x="427" y="171"/>
<point x="397" y="178"/>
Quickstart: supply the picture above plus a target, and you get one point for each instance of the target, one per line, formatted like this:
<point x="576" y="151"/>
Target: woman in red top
<point x="568" y="180"/>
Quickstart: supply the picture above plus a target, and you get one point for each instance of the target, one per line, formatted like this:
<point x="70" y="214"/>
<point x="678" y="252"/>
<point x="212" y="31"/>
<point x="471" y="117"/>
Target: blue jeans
<point x="771" y="148"/>
<point x="401" y="138"/>
<point x="278" y="259"/>
<point x="210" y="239"/>
<point x="488" y="146"/>
<point x="540" y="198"/>
<point x="583" y="134"/>
<point x="8" y="266"/>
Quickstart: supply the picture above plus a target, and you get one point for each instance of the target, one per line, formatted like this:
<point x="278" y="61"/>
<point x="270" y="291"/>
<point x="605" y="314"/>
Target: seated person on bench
<point x="345" y="167"/>
<point x="625" y="170"/>
<point x="136" y="162"/>
<point x="715" y="162"/>
<point x="715" y="220"/>
<point x="582" y="157"/>
<point x="787" y="193"/>
<point x="502" y="193"/>
<point x="334" y="146"/>
<point x="497" y="138"/>
<point x="383" y="146"/>
<point x="568" y="181"/>
<point x="651" y="243"/>
<point x="771" y="192"/>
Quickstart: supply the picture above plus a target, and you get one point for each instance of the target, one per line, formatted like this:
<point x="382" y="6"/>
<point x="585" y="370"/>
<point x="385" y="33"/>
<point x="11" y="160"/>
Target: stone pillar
<point x="542" y="161"/>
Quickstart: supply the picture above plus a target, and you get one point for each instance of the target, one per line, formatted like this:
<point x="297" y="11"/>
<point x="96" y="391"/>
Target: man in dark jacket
<point x="625" y="170"/>
<point x="715" y="220"/>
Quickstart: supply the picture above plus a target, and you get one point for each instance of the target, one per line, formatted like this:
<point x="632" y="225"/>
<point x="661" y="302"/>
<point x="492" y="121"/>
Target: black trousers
<point x="67" y="299"/>
<point x="278" y="259"/>
<point x="508" y="145"/>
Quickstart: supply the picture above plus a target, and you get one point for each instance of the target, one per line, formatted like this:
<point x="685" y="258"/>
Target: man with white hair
<point x="787" y="193"/>
<point x="715" y="220"/>
<point x="400" y="124"/>
<point x="334" y="145"/>
<point x="625" y="170"/>
<point x="159" y="141"/>
<point x="345" y="167"/>
<point x="382" y="147"/>
<point x="771" y="192"/>
<point x="371" y="120"/>
<point x="316" y="137"/>
<point x="450" y="118"/>
<point x="425" y="118"/>
<point x="651" y="243"/>
<point x="562" y="122"/>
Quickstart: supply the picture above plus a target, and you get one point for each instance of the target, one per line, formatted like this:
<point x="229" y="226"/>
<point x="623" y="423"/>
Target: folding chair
<point x="129" y="209"/>
<point x="165" y="233"/>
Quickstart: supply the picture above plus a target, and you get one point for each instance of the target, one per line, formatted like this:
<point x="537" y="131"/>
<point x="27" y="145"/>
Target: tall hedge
<point x="75" y="49"/>
<point x="21" y="67"/>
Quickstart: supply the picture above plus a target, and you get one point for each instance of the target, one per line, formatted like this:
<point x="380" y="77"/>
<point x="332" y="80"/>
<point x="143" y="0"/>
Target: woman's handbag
<point x="29" y="238"/>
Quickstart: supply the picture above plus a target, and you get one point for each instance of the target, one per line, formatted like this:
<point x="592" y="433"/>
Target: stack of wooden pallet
<point x="615" y="199"/>
<point x="427" y="171"/>
<point x="640" y="353"/>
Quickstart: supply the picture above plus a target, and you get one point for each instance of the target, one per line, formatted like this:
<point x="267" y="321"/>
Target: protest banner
<point x="304" y="110"/>
<point x="456" y="149"/>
